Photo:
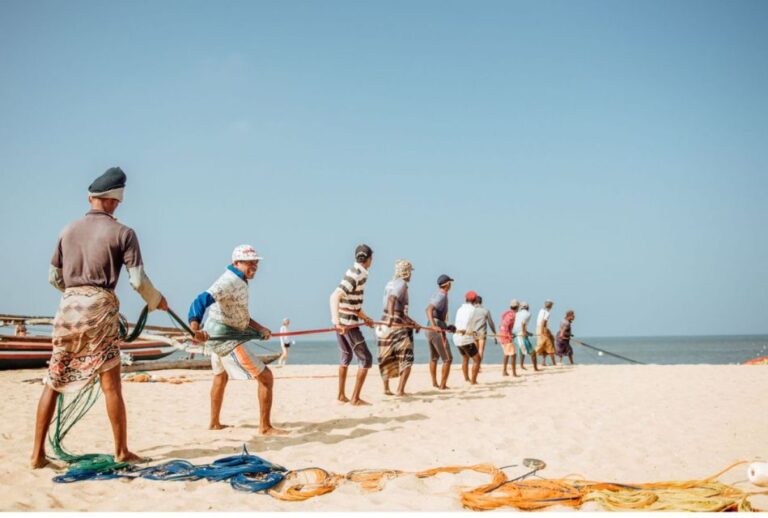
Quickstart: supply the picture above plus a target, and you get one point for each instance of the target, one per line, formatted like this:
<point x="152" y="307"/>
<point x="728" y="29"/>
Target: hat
<point x="245" y="253"/>
<point x="362" y="253"/>
<point x="443" y="279"/>
<point x="514" y="303"/>
<point x="402" y="268"/>
<point x="109" y="185"/>
<point x="548" y="302"/>
<point x="524" y="305"/>
<point x="471" y="296"/>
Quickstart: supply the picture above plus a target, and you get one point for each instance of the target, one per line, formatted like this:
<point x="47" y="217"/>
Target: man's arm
<point x="491" y="324"/>
<point x="56" y="278"/>
<point x="430" y="315"/>
<point x="138" y="279"/>
<point x="55" y="275"/>
<point x="260" y="328"/>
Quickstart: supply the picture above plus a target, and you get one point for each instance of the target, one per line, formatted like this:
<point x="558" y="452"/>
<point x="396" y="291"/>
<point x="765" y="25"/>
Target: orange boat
<point x="763" y="360"/>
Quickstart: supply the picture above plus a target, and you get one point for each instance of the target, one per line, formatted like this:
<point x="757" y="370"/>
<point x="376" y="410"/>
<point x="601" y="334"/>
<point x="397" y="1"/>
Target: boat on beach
<point x="23" y="351"/>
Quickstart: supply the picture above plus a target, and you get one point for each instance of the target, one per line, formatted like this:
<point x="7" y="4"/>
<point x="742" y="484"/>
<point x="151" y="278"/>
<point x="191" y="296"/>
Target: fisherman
<point x="520" y="330"/>
<point x="395" y="337"/>
<point x="464" y="337"/>
<point x="347" y="316"/>
<point x="564" y="335"/>
<point x="545" y="342"/>
<point x="505" y="337"/>
<point x="285" y="341"/>
<point x="227" y="304"/>
<point x="481" y="321"/>
<point x="86" y="266"/>
<point x="437" y="314"/>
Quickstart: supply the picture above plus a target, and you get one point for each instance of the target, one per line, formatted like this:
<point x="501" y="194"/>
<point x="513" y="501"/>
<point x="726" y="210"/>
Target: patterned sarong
<point x="396" y="349"/>
<point x="85" y="337"/>
<point x="545" y="342"/>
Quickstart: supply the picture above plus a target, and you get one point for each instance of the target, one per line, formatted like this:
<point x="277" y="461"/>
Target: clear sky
<point x="612" y="156"/>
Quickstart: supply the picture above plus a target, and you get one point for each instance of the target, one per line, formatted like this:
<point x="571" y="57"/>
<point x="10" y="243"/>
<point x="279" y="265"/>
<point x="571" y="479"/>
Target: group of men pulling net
<point x="86" y="359"/>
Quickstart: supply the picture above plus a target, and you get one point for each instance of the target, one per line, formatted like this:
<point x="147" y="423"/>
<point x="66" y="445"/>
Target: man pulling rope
<point x="86" y="266"/>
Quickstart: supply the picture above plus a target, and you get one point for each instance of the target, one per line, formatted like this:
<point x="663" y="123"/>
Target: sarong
<point x="85" y="337"/>
<point x="545" y="342"/>
<point x="563" y="347"/>
<point x="396" y="349"/>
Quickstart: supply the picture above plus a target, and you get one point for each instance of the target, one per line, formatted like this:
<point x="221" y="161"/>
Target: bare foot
<point x="434" y="384"/>
<point x="218" y="426"/>
<point x="537" y="370"/>
<point x="403" y="394"/>
<point x="129" y="456"/>
<point x="444" y="387"/>
<point x="39" y="462"/>
<point x="505" y="373"/>
<point x="360" y="402"/>
<point x="273" y="431"/>
<point x="388" y="393"/>
<point x="523" y="368"/>
<point x="343" y="399"/>
<point x="473" y="383"/>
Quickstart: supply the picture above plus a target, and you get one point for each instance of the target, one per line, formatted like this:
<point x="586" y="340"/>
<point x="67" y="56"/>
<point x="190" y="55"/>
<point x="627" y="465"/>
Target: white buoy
<point x="599" y="353"/>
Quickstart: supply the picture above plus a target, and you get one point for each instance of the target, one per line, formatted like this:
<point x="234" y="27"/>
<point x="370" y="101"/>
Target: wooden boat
<point x="22" y="351"/>
<point x="29" y="352"/>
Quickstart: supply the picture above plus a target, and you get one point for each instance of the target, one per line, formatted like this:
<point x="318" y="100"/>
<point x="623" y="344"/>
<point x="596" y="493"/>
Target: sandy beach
<point x="615" y="423"/>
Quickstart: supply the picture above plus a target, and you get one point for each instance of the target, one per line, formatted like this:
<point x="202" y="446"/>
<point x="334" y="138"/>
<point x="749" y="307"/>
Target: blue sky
<point x="612" y="156"/>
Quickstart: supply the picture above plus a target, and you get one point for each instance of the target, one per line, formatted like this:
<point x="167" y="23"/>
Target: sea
<point x="660" y="350"/>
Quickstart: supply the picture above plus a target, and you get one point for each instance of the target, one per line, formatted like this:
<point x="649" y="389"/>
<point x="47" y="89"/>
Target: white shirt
<point x="284" y="339"/>
<point x="231" y="295"/>
<point x="543" y="315"/>
<point x="463" y="316"/>
<point x="523" y="316"/>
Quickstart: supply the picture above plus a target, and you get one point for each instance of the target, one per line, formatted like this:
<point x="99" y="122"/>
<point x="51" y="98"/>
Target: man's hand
<point x="163" y="304"/>
<point x="266" y="332"/>
<point x="200" y="336"/>
<point x="368" y="321"/>
<point x="341" y="329"/>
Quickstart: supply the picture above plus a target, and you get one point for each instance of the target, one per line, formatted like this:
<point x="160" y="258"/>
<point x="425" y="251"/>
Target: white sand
<point x="618" y="423"/>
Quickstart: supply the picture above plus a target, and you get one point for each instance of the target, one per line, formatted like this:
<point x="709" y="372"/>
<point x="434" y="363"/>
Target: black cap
<point x="113" y="178"/>
<point x="443" y="279"/>
<point x="362" y="253"/>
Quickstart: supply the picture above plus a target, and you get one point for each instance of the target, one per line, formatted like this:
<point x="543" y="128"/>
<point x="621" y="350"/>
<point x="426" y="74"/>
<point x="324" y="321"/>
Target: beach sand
<point x="617" y="423"/>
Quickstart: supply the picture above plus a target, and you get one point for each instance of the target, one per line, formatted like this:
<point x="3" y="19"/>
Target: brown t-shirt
<point x="91" y="251"/>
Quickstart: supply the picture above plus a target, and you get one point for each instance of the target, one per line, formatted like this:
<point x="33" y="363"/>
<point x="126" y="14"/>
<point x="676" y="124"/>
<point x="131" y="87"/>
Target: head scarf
<point x="403" y="268"/>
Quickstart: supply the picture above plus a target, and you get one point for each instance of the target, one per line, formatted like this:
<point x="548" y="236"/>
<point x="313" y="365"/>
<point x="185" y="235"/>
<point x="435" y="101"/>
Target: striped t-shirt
<point x="353" y="285"/>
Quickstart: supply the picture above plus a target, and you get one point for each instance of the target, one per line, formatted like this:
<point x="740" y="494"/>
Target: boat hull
<point x="34" y="351"/>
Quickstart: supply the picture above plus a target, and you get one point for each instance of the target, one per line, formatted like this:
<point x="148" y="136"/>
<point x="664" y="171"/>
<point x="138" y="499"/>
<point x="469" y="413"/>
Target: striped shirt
<point x="351" y="302"/>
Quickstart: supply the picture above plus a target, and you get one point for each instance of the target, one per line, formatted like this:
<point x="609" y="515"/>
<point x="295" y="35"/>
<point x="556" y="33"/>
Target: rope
<point x="250" y="473"/>
<point x="67" y="415"/>
<point x="608" y="353"/>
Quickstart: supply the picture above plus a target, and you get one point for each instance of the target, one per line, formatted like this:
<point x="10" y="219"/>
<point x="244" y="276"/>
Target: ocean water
<point x="663" y="350"/>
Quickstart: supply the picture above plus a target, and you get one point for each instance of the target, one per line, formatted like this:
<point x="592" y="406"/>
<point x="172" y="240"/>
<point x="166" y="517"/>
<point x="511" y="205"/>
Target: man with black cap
<point x="86" y="266"/>
<point x="437" y="313"/>
<point x="347" y="316"/>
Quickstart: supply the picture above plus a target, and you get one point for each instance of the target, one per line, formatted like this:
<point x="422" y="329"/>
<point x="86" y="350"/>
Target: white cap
<point x="245" y="253"/>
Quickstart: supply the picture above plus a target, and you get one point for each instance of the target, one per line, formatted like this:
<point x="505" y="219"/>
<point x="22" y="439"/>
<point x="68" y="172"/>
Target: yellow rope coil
<point x="706" y="495"/>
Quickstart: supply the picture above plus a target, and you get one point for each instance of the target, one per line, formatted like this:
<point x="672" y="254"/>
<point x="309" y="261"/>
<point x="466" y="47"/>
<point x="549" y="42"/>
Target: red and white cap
<point x="245" y="253"/>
